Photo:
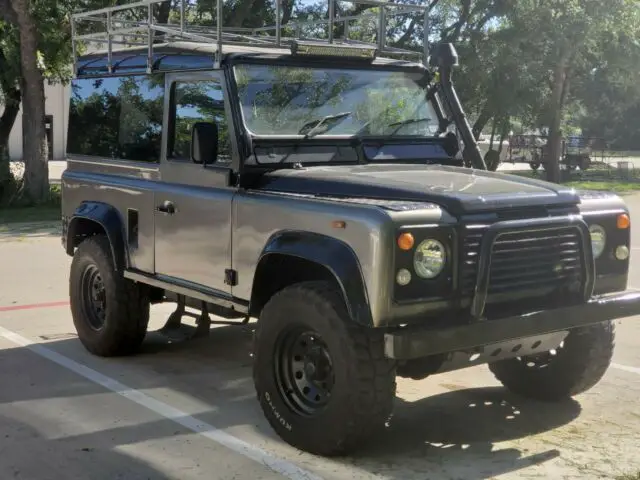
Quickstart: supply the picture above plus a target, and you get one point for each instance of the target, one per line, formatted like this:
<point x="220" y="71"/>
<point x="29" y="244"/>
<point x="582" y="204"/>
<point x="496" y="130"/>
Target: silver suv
<point x="325" y="189"/>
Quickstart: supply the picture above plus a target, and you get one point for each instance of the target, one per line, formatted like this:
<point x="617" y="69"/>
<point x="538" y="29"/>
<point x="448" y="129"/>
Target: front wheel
<point x="323" y="384"/>
<point x="577" y="365"/>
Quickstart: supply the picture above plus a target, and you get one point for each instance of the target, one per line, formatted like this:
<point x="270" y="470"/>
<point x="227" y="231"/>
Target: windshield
<point x="290" y="101"/>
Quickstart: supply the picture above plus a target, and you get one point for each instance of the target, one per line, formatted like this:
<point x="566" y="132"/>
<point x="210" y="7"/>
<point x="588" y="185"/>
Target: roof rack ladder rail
<point x="382" y="28"/>
<point x="332" y="13"/>
<point x="109" y="44"/>
<point x="218" y="59"/>
<point x="150" y="35"/>
<point x="279" y="22"/>
<point x="425" y="38"/>
<point x="182" y="9"/>
<point x="73" y="47"/>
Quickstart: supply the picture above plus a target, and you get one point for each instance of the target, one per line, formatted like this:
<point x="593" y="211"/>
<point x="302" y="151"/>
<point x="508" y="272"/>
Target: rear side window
<point x="197" y="101"/>
<point x="117" y="117"/>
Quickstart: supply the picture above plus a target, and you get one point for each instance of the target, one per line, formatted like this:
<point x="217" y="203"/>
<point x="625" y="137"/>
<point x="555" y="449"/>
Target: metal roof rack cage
<point x="107" y="29"/>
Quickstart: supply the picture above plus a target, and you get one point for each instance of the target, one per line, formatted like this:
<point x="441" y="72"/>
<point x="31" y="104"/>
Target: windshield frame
<point x="386" y="65"/>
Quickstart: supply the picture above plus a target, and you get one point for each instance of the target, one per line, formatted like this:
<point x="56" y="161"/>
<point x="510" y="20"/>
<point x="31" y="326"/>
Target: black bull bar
<point x="419" y="341"/>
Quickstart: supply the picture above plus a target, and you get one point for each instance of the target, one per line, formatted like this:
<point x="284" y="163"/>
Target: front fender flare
<point x="109" y="219"/>
<point x="335" y="256"/>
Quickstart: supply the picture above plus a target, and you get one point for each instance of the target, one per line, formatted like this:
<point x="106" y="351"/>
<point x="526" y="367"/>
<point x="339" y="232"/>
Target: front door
<point x="193" y="204"/>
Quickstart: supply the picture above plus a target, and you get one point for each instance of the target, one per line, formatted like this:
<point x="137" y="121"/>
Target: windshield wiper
<point x="318" y="123"/>
<point x="407" y="122"/>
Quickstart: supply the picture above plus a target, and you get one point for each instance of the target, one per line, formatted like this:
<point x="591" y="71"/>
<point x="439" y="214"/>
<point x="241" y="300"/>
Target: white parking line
<point x="626" y="368"/>
<point x="278" y="465"/>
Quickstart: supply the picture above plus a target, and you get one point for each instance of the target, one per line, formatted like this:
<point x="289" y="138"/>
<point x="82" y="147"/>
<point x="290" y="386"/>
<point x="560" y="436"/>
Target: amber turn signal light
<point x="623" y="222"/>
<point x="405" y="241"/>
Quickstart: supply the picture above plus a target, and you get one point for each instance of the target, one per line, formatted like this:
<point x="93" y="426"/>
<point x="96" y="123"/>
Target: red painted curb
<point x="33" y="305"/>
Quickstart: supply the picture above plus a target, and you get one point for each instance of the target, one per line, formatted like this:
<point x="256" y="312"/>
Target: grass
<point x="618" y="186"/>
<point x="29" y="214"/>
<point x="629" y="476"/>
<point x="49" y="211"/>
<point x="608" y="186"/>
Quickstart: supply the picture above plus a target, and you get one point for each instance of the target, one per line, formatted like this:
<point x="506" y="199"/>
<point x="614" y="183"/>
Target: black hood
<point x="459" y="190"/>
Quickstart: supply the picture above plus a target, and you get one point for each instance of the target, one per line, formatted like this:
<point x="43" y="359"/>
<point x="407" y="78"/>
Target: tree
<point x="10" y="96"/>
<point x="34" y="46"/>
<point x="34" y="140"/>
<point x="568" y="34"/>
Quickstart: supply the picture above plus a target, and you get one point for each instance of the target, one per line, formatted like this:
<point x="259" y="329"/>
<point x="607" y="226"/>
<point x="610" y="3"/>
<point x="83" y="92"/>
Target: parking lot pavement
<point x="187" y="410"/>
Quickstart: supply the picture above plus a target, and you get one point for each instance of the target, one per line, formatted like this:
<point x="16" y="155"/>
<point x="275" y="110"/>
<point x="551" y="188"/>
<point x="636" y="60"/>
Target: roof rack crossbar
<point x="118" y="31"/>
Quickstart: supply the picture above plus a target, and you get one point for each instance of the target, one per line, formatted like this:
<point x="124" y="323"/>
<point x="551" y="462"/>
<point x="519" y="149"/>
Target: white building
<point x="57" y="112"/>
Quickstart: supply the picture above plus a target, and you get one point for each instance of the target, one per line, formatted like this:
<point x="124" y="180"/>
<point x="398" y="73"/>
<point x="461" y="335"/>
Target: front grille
<point x="525" y="264"/>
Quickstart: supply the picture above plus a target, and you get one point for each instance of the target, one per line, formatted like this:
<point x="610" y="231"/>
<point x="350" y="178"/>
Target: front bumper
<point x="415" y="342"/>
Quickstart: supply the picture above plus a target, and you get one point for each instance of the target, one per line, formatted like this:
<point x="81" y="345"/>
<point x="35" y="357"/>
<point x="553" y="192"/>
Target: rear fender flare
<point x="108" y="218"/>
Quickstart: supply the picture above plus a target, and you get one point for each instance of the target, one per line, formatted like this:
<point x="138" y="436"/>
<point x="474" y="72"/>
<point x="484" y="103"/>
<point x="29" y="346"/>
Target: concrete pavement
<point x="188" y="410"/>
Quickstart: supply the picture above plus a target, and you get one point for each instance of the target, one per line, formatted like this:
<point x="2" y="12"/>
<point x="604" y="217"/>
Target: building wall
<point x="56" y="105"/>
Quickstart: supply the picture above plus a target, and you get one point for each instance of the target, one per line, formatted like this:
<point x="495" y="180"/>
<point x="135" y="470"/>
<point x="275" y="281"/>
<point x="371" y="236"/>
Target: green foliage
<point x="509" y="51"/>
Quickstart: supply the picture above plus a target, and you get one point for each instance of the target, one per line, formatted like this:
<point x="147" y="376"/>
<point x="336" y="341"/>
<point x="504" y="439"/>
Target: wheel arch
<point x="293" y="256"/>
<point x="94" y="218"/>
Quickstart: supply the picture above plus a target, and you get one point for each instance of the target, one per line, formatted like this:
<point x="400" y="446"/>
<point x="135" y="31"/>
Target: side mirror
<point x="204" y="143"/>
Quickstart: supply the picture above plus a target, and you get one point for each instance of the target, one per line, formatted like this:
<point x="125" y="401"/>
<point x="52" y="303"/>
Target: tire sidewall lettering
<point x="276" y="413"/>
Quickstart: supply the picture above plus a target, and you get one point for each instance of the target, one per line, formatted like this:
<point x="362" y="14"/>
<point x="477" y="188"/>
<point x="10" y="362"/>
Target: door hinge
<point x="230" y="277"/>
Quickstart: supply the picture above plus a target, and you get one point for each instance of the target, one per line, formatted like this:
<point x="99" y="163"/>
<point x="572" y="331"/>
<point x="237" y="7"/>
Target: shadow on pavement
<point x="450" y="435"/>
<point x="27" y="454"/>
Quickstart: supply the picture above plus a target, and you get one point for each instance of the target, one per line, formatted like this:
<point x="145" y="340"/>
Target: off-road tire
<point x="127" y="304"/>
<point x="578" y="366"/>
<point x="361" y="401"/>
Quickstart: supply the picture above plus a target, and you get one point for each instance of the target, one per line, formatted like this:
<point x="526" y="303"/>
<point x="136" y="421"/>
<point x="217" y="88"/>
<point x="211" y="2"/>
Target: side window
<point x="117" y="117"/>
<point x="197" y="101"/>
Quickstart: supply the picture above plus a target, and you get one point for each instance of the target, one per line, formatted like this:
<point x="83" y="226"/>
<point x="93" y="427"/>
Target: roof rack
<point x="146" y="33"/>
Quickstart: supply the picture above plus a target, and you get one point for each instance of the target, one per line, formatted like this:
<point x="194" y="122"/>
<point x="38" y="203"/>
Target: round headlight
<point x="598" y="239"/>
<point x="429" y="259"/>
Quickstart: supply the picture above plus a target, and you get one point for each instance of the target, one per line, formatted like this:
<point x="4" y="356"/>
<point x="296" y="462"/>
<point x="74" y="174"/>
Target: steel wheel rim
<point x="303" y="371"/>
<point x="94" y="301"/>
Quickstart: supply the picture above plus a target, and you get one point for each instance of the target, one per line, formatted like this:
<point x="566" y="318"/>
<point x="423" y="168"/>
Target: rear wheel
<point x="577" y="365"/>
<point x="110" y="313"/>
<point x="323" y="384"/>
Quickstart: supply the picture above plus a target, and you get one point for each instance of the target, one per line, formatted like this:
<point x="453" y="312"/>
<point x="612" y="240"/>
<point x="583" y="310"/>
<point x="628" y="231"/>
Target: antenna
<point x="109" y="31"/>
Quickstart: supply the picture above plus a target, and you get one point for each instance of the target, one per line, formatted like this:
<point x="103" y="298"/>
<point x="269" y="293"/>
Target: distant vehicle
<point x="319" y="188"/>
<point x="577" y="152"/>
<point x="531" y="149"/>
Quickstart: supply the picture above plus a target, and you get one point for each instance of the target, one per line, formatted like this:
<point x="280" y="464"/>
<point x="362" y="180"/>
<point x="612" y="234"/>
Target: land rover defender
<point x="333" y="192"/>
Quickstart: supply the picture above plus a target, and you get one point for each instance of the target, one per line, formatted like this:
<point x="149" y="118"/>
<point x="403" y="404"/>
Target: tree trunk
<point x="34" y="140"/>
<point x="558" y="96"/>
<point x="482" y="120"/>
<point x="7" y="120"/>
<point x="494" y="127"/>
<point x="504" y="132"/>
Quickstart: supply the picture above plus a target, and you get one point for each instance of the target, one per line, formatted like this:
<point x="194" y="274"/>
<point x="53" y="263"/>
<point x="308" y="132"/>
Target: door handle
<point x="167" y="207"/>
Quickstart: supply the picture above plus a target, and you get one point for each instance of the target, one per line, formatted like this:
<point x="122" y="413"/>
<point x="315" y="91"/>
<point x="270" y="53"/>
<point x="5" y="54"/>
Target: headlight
<point x="429" y="259"/>
<point x="598" y="239"/>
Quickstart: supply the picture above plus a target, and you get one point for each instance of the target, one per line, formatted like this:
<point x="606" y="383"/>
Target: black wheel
<point x="110" y="313"/>
<point x="574" y="367"/>
<point x="324" y="384"/>
<point x="534" y="166"/>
